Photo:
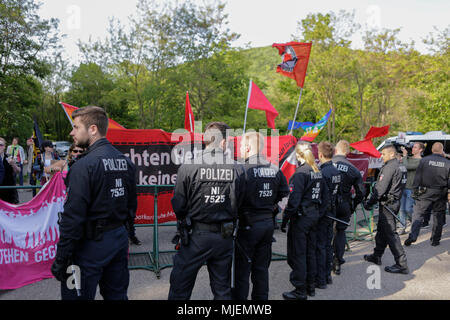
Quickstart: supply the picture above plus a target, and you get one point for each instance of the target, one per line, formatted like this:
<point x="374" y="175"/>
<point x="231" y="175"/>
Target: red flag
<point x="259" y="101"/>
<point x="375" y="132"/>
<point x="188" y="115"/>
<point x="367" y="147"/>
<point x="289" y="165"/>
<point x="68" y="109"/>
<point x="295" y="60"/>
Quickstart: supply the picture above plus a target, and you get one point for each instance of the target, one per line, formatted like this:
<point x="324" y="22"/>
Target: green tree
<point x="25" y="39"/>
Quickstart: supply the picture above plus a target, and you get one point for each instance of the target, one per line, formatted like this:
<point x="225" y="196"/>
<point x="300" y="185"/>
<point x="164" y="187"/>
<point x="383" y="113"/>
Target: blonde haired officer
<point x="307" y="198"/>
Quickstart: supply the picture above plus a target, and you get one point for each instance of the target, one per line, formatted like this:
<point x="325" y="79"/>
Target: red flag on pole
<point x="259" y="101"/>
<point x="68" y="109"/>
<point x="188" y="115"/>
<point x="295" y="60"/>
<point x="375" y="132"/>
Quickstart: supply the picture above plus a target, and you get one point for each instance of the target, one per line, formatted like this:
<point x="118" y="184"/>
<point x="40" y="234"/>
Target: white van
<point x="409" y="138"/>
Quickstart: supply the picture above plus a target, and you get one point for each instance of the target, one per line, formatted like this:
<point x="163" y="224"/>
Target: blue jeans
<point x="20" y="174"/>
<point x="406" y="205"/>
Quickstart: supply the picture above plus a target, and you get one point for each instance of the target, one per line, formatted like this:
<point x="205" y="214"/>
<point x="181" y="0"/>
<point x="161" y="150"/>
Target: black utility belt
<point x="113" y="225"/>
<point x="255" y="217"/>
<point x="211" y="227"/>
<point x="103" y="225"/>
<point x="435" y="188"/>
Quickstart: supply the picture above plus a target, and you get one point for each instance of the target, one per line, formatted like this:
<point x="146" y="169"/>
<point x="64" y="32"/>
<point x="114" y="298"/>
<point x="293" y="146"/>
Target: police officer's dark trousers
<point x="436" y="198"/>
<point x="343" y="212"/>
<point x="324" y="251"/>
<point x="104" y="263"/>
<point x="204" y="246"/>
<point x="387" y="234"/>
<point x="301" y="247"/>
<point x="255" y="244"/>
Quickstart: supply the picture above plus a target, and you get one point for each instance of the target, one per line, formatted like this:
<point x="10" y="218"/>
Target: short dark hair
<point x="326" y="148"/>
<point x="213" y="130"/>
<point x="17" y="138"/>
<point x="46" y="143"/>
<point x="421" y="145"/>
<point x="390" y="147"/>
<point x="93" y="115"/>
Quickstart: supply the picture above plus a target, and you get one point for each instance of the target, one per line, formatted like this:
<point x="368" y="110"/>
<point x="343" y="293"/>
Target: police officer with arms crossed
<point x="101" y="194"/>
<point x="207" y="195"/>
<point x="431" y="187"/>
<point x="306" y="199"/>
<point x="388" y="192"/>
<point x="351" y="177"/>
<point x="266" y="185"/>
<point x="324" y="252"/>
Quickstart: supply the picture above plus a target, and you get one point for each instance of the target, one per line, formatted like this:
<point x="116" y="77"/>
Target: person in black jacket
<point x="208" y="192"/>
<point x="306" y="204"/>
<point x="350" y="178"/>
<point x="8" y="169"/>
<point x="431" y="189"/>
<point x="388" y="192"/>
<point x="265" y="186"/>
<point x="324" y="252"/>
<point x="101" y="195"/>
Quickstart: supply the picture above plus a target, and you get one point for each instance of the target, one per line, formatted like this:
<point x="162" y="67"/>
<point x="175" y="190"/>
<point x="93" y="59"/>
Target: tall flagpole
<point x="190" y="118"/>
<point x="296" y="109"/>
<point x="248" y="100"/>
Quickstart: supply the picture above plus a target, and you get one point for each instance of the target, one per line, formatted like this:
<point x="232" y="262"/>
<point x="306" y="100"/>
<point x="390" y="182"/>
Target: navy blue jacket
<point x="101" y="184"/>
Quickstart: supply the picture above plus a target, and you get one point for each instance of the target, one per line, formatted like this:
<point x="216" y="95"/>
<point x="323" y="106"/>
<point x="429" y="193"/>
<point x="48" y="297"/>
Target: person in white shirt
<point x="18" y="154"/>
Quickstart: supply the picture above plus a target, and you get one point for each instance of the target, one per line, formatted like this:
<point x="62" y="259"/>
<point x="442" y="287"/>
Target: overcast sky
<point x="259" y="22"/>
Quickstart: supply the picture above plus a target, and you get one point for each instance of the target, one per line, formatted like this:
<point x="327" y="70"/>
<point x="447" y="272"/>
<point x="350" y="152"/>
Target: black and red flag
<point x="295" y="60"/>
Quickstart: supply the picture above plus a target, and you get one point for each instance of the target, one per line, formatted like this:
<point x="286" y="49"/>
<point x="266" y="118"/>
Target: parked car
<point x="61" y="147"/>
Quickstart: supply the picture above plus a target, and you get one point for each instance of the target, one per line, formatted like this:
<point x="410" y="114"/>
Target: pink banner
<point x="28" y="236"/>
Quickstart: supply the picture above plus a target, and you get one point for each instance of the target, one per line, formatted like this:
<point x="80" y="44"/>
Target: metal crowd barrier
<point x="156" y="260"/>
<point x="353" y="235"/>
<point x="151" y="260"/>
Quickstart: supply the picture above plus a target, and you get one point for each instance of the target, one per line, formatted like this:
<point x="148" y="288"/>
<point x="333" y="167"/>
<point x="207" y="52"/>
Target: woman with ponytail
<point x="302" y="213"/>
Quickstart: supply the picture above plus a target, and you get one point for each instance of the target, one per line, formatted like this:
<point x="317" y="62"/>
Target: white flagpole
<point x="68" y="117"/>
<point x="296" y="109"/>
<point x="248" y="100"/>
<point x="190" y="118"/>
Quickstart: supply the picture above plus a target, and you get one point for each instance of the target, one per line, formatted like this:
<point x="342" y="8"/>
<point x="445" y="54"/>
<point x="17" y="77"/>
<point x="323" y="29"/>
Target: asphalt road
<point x="429" y="276"/>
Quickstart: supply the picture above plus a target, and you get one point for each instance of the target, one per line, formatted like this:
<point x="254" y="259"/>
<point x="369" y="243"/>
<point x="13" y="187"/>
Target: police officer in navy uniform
<point x="431" y="188"/>
<point x="388" y="192"/>
<point x="305" y="206"/>
<point x="207" y="195"/>
<point x="101" y="194"/>
<point x="351" y="177"/>
<point x="324" y="252"/>
<point x="266" y="185"/>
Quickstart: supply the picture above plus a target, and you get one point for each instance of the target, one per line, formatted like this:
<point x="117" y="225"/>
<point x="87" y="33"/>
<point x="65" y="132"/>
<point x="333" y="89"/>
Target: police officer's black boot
<point x="336" y="267"/>
<point x="329" y="280"/>
<point x="409" y="241"/>
<point x="297" y="294"/>
<point x="311" y="290"/>
<point x="397" y="269"/>
<point x="434" y="243"/>
<point x="373" y="258"/>
<point x="134" y="240"/>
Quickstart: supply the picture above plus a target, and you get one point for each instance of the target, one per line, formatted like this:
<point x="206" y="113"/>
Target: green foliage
<point x="24" y="39"/>
<point x="140" y="74"/>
